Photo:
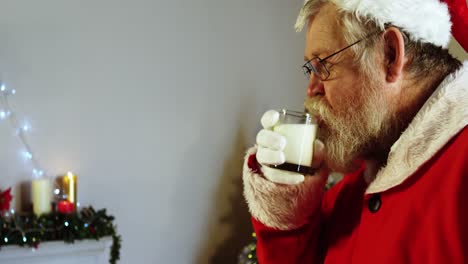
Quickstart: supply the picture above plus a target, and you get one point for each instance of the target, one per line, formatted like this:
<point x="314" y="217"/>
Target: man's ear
<point x="394" y="53"/>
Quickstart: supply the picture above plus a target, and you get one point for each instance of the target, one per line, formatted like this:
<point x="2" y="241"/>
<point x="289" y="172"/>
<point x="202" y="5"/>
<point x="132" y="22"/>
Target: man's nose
<point x="315" y="86"/>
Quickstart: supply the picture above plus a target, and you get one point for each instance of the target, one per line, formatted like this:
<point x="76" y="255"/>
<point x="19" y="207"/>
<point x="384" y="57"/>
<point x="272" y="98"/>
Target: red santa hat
<point x="425" y="20"/>
<point x="459" y="14"/>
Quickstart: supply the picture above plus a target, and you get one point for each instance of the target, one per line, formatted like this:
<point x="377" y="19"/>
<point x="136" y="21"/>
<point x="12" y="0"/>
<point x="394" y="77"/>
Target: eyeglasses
<point x="318" y="66"/>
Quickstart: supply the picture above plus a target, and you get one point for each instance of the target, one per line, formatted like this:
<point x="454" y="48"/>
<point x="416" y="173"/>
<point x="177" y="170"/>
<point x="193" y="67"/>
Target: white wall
<point x="152" y="104"/>
<point x="457" y="51"/>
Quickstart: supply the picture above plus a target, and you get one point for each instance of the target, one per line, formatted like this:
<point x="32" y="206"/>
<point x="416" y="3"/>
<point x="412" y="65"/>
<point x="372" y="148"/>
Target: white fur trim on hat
<point x="425" y="20"/>
<point x="284" y="207"/>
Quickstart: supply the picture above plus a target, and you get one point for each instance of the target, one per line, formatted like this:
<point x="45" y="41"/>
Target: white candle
<point x="42" y="193"/>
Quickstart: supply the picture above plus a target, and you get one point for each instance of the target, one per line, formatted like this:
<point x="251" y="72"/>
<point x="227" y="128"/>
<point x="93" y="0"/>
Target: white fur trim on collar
<point x="443" y="115"/>
<point x="425" y="20"/>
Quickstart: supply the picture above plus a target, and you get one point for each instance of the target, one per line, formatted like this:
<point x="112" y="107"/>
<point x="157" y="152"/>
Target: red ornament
<point x="65" y="207"/>
<point x="5" y="199"/>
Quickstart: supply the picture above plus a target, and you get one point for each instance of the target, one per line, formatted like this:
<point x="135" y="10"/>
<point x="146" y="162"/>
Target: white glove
<point x="270" y="151"/>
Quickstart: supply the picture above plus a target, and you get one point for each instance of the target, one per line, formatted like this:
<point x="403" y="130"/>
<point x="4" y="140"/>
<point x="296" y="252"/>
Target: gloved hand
<point x="270" y="151"/>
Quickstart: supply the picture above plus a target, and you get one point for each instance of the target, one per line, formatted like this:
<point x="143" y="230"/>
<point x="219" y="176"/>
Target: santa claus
<point x="392" y="105"/>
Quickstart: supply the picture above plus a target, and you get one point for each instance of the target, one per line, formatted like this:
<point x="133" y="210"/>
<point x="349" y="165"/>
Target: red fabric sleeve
<point x="253" y="164"/>
<point x="305" y="244"/>
<point x="285" y="246"/>
<point x="288" y="246"/>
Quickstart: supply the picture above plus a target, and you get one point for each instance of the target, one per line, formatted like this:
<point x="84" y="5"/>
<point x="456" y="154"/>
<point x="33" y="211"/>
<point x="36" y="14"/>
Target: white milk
<point x="299" y="142"/>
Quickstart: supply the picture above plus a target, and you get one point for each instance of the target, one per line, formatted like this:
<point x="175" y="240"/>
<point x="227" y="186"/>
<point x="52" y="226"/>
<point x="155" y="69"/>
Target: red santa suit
<point x="415" y="210"/>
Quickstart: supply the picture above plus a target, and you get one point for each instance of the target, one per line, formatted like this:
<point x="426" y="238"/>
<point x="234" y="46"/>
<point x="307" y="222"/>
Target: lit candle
<point x="42" y="193"/>
<point x="69" y="183"/>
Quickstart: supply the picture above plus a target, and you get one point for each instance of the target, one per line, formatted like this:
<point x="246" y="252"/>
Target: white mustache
<point x="319" y="108"/>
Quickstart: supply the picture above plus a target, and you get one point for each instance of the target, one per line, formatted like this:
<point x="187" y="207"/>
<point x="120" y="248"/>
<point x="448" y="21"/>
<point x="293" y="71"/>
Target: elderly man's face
<point x="354" y="113"/>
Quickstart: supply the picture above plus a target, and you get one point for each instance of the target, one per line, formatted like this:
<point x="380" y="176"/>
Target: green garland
<point x="30" y="230"/>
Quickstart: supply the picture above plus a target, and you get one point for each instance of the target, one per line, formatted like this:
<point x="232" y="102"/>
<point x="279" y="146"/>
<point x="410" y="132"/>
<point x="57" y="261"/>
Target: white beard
<point x="356" y="132"/>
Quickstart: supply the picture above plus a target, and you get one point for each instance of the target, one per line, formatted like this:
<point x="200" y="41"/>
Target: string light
<point x="25" y="128"/>
<point x="37" y="173"/>
<point x="7" y="112"/>
<point x="25" y="230"/>
<point x="27" y="155"/>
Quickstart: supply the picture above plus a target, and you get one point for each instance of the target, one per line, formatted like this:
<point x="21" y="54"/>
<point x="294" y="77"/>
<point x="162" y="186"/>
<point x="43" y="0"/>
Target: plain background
<point x="152" y="104"/>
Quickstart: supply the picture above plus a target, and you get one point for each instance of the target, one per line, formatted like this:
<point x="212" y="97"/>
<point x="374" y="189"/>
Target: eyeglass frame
<point x="308" y="71"/>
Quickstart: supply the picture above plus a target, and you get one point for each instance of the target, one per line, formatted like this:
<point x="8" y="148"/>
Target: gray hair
<point x="423" y="56"/>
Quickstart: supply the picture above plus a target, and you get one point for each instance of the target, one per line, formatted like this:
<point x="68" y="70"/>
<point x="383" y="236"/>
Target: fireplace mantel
<point x="58" y="252"/>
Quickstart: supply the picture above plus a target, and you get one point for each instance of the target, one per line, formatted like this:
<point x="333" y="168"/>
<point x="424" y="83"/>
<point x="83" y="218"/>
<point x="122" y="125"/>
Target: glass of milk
<point x="300" y="130"/>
